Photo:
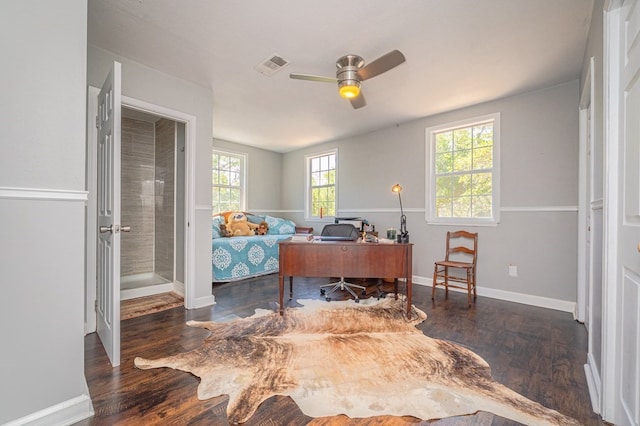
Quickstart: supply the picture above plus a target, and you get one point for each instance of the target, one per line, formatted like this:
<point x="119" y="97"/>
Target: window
<point x="321" y="186"/>
<point x="463" y="184"/>
<point x="228" y="182"/>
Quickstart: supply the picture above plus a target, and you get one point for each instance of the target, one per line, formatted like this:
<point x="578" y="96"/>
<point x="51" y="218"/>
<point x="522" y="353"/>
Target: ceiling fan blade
<point x="310" y="77"/>
<point x="383" y="64"/>
<point x="358" y="101"/>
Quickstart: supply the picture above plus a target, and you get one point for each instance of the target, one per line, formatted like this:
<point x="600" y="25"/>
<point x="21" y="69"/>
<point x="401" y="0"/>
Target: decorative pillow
<point x="253" y="218"/>
<point x="278" y="226"/>
<point x="215" y="226"/>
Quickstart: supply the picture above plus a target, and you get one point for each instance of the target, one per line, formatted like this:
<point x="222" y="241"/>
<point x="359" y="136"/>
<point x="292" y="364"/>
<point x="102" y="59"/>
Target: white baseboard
<point x="179" y="288"/>
<point x="593" y="383"/>
<point x="90" y="326"/>
<point x="201" y="302"/>
<point x="509" y="296"/>
<point x="63" y="414"/>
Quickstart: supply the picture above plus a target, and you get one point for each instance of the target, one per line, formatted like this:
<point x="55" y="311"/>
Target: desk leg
<point x="290" y="288"/>
<point x="281" y="285"/>
<point x="409" y="295"/>
<point x="409" y="275"/>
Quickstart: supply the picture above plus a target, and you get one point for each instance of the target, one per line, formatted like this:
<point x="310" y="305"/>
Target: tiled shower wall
<point x="147" y="197"/>
<point x="138" y="176"/>
<point x="164" y="212"/>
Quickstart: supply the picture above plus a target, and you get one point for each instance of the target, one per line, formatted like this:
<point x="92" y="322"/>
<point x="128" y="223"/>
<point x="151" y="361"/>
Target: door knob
<point x="104" y="229"/>
<point x="117" y="228"/>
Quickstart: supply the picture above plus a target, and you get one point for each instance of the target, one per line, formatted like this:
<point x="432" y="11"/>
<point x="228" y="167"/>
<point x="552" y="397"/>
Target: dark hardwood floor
<point x="537" y="352"/>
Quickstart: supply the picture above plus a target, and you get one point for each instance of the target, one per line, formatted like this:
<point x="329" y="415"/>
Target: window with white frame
<point x="321" y="185"/>
<point x="228" y="182"/>
<point x="463" y="178"/>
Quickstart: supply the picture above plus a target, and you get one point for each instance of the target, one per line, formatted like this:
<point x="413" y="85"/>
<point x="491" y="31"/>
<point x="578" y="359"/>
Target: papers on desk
<point x="386" y="241"/>
<point x="302" y="237"/>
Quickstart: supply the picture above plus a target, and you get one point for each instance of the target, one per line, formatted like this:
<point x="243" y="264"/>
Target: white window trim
<point x="430" y="215"/>
<point x="243" y="174"/>
<point x="307" y="188"/>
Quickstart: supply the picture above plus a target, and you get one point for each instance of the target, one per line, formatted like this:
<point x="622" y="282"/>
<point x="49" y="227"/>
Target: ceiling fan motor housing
<point x="347" y="74"/>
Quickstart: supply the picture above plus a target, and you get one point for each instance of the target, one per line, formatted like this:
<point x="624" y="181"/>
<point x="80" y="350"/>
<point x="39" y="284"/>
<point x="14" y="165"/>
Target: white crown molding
<point x="43" y="194"/>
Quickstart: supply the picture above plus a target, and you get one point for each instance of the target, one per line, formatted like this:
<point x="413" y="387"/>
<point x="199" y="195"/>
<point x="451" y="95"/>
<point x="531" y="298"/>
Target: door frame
<point x="586" y="137"/>
<point x="189" y="204"/>
<point x="610" y="408"/>
<point x="588" y="238"/>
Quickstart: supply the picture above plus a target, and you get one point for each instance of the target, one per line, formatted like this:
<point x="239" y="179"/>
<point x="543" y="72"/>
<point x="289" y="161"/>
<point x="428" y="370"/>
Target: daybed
<point x="237" y="258"/>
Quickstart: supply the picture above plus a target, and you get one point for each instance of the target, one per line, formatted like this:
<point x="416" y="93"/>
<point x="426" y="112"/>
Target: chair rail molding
<point x="43" y="194"/>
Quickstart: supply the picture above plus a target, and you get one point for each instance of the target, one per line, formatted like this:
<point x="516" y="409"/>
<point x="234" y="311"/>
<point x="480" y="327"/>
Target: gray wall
<point x="264" y="185"/>
<point x="42" y="202"/>
<point x="539" y="183"/>
<point x="148" y="85"/>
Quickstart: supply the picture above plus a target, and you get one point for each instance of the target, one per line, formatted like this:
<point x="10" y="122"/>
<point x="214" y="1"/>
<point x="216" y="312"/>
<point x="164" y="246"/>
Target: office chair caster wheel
<point x="328" y="299"/>
<point x="322" y="291"/>
<point x="357" y="300"/>
<point x="364" y="292"/>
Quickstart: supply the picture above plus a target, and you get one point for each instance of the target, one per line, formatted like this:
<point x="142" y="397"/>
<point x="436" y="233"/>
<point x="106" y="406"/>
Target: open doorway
<point x="183" y="243"/>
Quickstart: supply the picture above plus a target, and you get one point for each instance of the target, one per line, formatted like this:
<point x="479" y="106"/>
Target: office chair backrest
<point x="340" y="231"/>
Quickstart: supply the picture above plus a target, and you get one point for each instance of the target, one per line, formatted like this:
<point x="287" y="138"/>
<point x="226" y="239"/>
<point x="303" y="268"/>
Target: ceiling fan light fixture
<point x="349" y="91"/>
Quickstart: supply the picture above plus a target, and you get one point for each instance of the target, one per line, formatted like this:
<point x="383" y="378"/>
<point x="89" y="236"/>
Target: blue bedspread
<point x="238" y="258"/>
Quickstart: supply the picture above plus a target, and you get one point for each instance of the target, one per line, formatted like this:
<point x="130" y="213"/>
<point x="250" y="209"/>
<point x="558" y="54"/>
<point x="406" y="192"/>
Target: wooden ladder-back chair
<point x="461" y="255"/>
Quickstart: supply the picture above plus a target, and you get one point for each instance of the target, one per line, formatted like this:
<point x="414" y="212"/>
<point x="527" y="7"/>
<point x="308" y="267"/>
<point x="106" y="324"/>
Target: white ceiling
<point x="459" y="53"/>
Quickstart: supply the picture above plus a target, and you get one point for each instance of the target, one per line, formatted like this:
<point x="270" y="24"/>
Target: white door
<point x="108" y="200"/>
<point x="627" y="310"/>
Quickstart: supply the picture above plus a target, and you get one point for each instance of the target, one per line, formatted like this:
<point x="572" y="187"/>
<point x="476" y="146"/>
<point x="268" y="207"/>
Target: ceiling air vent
<point x="271" y="65"/>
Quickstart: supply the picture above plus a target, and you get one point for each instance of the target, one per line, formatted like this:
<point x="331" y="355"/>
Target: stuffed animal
<point x="224" y="232"/>
<point x="238" y="224"/>
<point x="262" y="229"/>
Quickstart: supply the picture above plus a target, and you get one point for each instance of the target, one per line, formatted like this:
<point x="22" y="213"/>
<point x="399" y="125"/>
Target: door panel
<point x="628" y="285"/>
<point x="108" y="197"/>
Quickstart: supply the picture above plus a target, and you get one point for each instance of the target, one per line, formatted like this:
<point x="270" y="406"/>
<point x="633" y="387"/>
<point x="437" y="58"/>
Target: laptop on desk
<point x="339" y="232"/>
<point x="334" y="238"/>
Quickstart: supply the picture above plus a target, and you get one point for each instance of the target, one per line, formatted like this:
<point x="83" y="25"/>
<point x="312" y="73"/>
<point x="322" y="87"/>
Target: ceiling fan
<point x="352" y="72"/>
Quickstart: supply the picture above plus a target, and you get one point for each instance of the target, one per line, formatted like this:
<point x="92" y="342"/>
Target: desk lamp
<point x="403" y="237"/>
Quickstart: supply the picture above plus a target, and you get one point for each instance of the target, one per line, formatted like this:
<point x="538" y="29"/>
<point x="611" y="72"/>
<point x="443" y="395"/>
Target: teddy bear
<point x="224" y="232"/>
<point x="262" y="229"/>
<point x="238" y="224"/>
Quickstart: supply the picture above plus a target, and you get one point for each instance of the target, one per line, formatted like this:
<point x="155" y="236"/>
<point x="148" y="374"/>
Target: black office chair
<point x="341" y="232"/>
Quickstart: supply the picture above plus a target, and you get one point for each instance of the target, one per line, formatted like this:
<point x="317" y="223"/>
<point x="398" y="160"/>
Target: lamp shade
<point x="396" y="188"/>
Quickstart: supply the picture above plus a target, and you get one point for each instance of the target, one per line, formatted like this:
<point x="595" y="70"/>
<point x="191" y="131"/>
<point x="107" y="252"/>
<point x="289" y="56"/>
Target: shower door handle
<point x="125" y="228"/>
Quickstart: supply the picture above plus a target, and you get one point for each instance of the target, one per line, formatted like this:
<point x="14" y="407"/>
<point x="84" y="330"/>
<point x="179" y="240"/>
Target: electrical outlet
<point x="513" y="270"/>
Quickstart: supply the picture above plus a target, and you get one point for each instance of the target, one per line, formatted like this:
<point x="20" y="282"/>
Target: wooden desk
<point x="344" y="259"/>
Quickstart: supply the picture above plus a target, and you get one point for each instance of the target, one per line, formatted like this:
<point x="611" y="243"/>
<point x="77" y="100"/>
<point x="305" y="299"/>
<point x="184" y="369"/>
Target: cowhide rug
<point x="360" y="360"/>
